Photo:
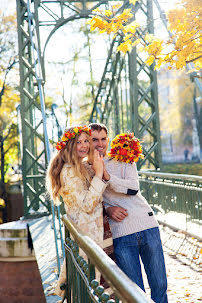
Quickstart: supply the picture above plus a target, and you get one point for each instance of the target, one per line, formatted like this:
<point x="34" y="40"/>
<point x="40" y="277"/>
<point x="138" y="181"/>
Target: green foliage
<point x="187" y="168"/>
<point x="9" y="97"/>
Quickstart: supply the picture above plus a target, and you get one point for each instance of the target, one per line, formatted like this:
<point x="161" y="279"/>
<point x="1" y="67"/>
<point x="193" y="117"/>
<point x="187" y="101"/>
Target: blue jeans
<point x="147" y="245"/>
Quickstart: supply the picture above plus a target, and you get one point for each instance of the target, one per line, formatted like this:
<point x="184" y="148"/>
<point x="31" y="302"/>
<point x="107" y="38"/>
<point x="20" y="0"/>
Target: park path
<point x="184" y="282"/>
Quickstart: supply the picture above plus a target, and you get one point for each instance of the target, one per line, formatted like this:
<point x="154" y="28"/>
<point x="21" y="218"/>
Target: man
<point x="134" y="229"/>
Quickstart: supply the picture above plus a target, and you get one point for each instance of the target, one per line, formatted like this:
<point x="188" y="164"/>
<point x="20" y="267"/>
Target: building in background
<point x="179" y="105"/>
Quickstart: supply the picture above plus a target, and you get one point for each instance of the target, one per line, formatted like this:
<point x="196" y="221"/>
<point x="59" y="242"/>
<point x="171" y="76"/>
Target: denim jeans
<point x="147" y="245"/>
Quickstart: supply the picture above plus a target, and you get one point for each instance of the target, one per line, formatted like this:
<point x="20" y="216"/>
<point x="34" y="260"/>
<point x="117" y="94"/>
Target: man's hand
<point x="117" y="213"/>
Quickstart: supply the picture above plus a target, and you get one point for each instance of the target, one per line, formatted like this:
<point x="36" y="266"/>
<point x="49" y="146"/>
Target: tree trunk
<point x="91" y="67"/>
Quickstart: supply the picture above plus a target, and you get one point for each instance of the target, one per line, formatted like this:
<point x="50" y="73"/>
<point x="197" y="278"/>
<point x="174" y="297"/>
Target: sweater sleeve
<point x="73" y="191"/>
<point x="129" y="183"/>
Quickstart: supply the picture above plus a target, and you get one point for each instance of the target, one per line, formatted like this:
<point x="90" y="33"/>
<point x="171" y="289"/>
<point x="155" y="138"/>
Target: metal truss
<point x="120" y="101"/>
<point x="127" y="98"/>
<point x="31" y="17"/>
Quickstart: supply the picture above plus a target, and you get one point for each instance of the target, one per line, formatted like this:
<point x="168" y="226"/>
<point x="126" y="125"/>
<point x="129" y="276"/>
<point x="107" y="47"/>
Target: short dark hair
<point x="98" y="126"/>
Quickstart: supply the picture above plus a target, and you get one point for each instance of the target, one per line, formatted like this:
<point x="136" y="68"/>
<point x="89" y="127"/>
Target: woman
<point x="81" y="188"/>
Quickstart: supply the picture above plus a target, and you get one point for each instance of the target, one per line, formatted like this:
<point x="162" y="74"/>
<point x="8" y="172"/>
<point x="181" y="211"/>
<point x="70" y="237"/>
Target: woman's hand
<point x="106" y="176"/>
<point x="98" y="164"/>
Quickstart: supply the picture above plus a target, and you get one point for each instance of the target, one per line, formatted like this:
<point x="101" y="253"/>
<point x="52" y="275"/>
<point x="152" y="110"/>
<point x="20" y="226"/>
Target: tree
<point x="9" y="99"/>
<point x="8" y="51"/>
<point x="8" y="135"/>
<point x="183" y="46"/>
<point x="77" y="103"/>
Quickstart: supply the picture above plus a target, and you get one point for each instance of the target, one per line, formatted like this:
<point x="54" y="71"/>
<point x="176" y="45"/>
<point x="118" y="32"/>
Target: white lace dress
<point x="83" y="205"/>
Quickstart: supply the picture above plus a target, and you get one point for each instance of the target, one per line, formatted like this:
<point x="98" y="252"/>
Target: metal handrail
<point x="171" y="176"/>
<point x="124" y="288"/>
<point x="176" y="198"/>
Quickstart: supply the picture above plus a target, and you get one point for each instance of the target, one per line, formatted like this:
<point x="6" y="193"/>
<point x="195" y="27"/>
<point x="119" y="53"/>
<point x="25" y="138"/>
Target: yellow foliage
<point x="108" y="13"/>
<point x="137" y="41"/>
<point x="2" y="203"/>
<point x="116" y="6"/>
<point x="150" y="60"/>
<point x="125" y="46"/>
<point x="184" y="23"/>
<point x="133" y="1"/>
<point x="131" y="28"/>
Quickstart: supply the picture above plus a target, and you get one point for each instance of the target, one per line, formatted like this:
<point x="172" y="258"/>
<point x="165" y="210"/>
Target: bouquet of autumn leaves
<point x="126" y="148"/>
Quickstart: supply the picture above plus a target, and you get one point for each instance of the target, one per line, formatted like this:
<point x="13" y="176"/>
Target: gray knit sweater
<point x="140" y="215"/>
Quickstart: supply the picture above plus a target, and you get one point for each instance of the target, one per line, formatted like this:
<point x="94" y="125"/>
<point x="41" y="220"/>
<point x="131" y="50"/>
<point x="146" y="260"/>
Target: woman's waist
<point x="76" y="214"/>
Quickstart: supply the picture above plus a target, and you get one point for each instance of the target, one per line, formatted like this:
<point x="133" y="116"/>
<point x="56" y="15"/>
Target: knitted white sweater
<point x="140" y="215"/>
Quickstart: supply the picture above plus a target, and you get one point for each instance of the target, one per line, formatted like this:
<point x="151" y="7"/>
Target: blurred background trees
<point x="9" y="99"/>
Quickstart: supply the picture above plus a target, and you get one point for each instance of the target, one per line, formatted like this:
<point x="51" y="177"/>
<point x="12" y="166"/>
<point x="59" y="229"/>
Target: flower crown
<point x="126" y="148"/>
<point x="68" y="135"/>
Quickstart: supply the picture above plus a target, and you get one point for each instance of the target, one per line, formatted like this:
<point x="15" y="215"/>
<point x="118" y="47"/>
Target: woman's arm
<point x="73" y="191"/>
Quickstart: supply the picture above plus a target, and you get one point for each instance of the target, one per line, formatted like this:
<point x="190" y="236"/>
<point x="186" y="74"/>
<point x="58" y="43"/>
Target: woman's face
<point x="83" y="145"/>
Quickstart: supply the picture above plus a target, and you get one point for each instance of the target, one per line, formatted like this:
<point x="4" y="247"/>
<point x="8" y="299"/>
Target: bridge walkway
<point x="183" y="255"/>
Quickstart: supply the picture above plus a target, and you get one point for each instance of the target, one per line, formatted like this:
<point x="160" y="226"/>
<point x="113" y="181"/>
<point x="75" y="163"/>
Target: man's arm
<point x="128" y="185"/>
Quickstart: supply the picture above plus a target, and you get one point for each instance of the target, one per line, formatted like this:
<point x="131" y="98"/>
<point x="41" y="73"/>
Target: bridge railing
<point x="81" y="286"/>
<point x="176" y="199"/>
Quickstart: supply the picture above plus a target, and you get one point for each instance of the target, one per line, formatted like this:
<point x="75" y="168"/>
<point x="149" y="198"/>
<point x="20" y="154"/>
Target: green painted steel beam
<point x="118" y="102"/>
<point x="121" y="95"/>
<point x="34" y="160"/>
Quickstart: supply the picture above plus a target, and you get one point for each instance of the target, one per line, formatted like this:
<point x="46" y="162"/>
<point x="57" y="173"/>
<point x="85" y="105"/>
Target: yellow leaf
<point x="149" y="37"/>
<point x="116" y="6"/>
<point x="96" y="10"/>
<point x="108" y="13"/>
<point x="125" y="47"/>
<point x="150" y="60"/>
<point x="127" y="37"/>
<point x="131" y="28"/>
<point x="2" y="203"/>
<point x="133" y="1"/>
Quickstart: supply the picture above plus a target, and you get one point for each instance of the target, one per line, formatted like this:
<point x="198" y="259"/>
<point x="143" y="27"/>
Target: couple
<point x="83" y="186"/>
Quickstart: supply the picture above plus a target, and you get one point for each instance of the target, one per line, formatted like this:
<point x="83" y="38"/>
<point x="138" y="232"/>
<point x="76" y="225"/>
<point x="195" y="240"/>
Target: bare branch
<point x="10" y="66"/>
<point x="194" y="59"/>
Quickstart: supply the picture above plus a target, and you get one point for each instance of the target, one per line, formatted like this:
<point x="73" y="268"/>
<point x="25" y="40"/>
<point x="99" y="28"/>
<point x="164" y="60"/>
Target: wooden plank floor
<point x="42" y="235"/>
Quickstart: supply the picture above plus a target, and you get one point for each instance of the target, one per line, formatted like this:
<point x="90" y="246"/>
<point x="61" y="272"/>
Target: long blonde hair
<point x="66" y="155"/>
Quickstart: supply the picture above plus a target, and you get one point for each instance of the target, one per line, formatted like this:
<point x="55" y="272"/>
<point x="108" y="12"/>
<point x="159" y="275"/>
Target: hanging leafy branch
<point x="182" y="47"/>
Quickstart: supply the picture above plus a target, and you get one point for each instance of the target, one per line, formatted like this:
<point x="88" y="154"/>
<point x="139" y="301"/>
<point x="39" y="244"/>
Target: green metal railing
<point x="176" y="198"/>
<point x="81" y="284"/>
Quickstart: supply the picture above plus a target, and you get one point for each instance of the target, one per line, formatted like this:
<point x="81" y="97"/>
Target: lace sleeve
<point x="73" y="191"/>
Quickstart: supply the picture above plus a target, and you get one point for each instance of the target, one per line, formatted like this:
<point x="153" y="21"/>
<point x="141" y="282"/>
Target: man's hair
<point x="98" y="126"/>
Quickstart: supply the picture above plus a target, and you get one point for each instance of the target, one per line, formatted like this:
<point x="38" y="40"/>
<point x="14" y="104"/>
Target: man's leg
<point x="127" y="258"/>
<point x="151" y="253"/>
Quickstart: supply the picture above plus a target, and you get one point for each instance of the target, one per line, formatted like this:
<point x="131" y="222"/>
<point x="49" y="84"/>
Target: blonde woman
<point x="79" y="184"/>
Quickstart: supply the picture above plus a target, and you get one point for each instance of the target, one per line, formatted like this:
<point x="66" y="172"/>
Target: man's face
<point x="100" y="141"/>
